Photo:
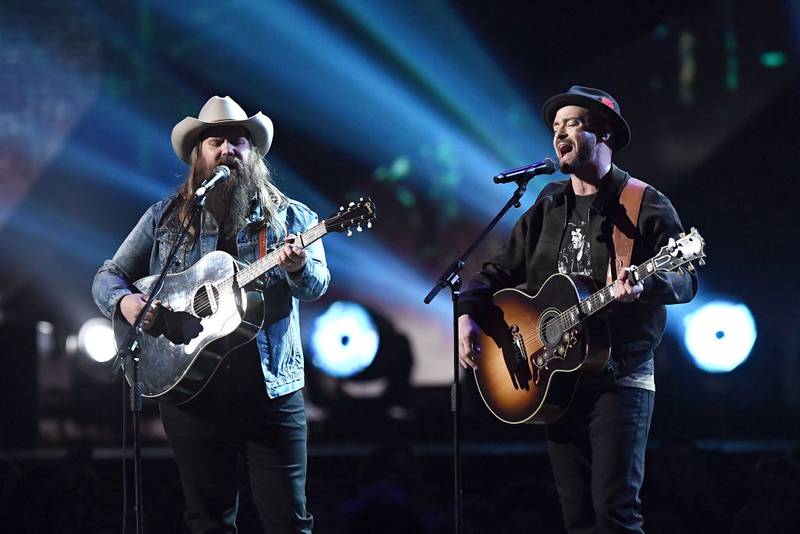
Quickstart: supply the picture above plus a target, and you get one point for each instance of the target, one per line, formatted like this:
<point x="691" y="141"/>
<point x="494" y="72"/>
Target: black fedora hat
<point x="597" y="101"/>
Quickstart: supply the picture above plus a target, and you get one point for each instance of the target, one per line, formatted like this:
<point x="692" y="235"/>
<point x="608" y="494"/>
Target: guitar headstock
<point x="355" y="214"/>
<point x="682" y="251"/>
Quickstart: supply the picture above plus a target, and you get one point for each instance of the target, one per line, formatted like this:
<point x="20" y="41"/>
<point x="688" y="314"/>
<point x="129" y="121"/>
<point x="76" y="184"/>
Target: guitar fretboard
<point x="599" y="300"/>
<point x="264" y="264"/>
<point x="268" y="261"/>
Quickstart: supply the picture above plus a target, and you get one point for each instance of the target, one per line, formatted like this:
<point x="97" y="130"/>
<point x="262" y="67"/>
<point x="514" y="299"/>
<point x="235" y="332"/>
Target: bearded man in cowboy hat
<point x="251" y="413"/>
<point x="597" y="449"/>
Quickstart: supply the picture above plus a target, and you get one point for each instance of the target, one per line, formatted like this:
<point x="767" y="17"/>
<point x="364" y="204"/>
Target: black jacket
<point x="530" y="256"/>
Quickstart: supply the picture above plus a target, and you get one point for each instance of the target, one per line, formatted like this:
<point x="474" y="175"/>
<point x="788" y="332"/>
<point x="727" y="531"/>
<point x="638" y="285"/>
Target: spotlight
<point x="96" y="339"/>
<point x="720" y="335"/>
<point x="344" y="340"/>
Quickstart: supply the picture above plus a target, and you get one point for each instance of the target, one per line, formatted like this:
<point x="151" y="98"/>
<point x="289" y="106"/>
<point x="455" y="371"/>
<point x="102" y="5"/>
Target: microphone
<point x="220" y="174"/>
<point x="546" y="166"/>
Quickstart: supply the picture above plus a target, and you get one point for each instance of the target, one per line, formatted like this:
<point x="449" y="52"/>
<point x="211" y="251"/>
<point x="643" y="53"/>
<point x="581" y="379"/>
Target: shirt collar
<point x="610" y="188"/>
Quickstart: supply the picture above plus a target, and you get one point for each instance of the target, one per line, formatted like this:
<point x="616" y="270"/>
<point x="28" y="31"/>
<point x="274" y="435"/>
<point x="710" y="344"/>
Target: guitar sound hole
<point x="206" y="301"/>
<point x="550" y="329"/>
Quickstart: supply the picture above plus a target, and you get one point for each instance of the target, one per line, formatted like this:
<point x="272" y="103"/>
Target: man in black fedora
<point x="597" y="449"/>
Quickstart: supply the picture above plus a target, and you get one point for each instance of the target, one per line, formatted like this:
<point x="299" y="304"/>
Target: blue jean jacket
<point x="144" y="252"/>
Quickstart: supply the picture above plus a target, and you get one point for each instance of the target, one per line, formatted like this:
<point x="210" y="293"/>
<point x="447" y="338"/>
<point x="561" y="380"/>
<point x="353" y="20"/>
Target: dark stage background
<point x="416" y="104"/>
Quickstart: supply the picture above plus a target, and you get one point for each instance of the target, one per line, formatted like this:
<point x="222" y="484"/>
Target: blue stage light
<point x="719" y="335"/>
<point x="344" y="340"/>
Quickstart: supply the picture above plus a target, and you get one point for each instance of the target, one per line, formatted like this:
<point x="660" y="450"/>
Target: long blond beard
<point x="231" y="202"/>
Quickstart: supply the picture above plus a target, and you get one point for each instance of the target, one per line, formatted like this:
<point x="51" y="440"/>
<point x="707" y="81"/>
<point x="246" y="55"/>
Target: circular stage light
<point x="96" y="339"/>
<point x="344" y="340"/>
<point x="720" y="335"/>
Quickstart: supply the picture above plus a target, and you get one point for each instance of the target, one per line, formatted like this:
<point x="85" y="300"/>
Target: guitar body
<point x="531" y="360"/>
<point x="204" y="296"/>
<point x="211" y="309"/>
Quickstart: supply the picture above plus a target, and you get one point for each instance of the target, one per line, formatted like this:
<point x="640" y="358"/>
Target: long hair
<point x="254" y="178"/>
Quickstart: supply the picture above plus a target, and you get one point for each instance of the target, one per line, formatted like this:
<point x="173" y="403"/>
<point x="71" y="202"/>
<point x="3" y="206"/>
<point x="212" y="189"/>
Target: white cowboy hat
<point x="220" y="111"/>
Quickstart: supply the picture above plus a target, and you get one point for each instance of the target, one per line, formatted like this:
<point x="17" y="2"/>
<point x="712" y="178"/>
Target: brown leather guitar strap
<point x="262" y="241"/>
<point x="631" y="201"/>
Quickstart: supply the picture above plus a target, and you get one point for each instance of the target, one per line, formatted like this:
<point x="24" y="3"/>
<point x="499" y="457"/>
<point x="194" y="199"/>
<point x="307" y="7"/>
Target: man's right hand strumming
<point x="131" y="305"/>
<point x="469" y="348"/>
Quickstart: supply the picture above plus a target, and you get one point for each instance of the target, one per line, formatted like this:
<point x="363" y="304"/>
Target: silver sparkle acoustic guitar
<point x="535" y="348"/>
<point x="209" y="310"/>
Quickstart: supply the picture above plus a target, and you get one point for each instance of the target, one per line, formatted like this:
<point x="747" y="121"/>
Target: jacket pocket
<point x="165" y="238"/>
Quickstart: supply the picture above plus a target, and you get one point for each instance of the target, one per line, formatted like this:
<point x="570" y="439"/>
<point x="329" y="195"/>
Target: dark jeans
<point x="597" y="452"/>
<point x="233" y="420"/>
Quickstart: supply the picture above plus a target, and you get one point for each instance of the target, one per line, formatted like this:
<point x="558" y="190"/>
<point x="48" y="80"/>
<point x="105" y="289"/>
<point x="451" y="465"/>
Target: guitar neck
<point x="267" y="262"/>
<point x="599" y="300"/>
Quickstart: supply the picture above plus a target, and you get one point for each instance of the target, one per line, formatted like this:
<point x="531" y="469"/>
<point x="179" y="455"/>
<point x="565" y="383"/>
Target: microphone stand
<point x="130" y="349"/>
<point x="451" y="278"/>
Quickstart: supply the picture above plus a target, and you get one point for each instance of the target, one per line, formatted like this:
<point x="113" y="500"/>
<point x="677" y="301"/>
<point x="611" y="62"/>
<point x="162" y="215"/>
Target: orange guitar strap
<point x="631" y="201"/>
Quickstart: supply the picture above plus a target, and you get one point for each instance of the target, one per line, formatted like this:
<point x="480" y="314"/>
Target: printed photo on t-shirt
<point x="575" y="254"/>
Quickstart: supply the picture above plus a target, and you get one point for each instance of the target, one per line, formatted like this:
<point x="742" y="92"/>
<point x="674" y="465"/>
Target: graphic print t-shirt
<point x="575" y="255"/>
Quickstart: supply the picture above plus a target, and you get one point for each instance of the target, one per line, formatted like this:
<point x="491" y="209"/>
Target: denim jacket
<point x="144" y="252"/>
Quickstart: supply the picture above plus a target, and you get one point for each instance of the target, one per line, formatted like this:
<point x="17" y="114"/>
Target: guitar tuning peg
<point x="701" y="262"/>
<point x="349" y="232"/>
<point x="341" y="208"/>
<point x="690" y="267"/>
<point x="358" y="228"/>
<point x="369" y="224"/>
<point x="682" y="234"/>
<point x="361" y="199"/>
<point x="351" y="204"/>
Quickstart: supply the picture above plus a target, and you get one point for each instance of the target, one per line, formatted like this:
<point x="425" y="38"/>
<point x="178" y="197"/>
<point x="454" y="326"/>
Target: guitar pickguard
<point x="542" y="358"/>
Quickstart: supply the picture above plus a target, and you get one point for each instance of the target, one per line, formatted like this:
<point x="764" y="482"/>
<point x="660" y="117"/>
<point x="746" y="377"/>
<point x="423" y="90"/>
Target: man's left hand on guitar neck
<point x="624" y="288"/>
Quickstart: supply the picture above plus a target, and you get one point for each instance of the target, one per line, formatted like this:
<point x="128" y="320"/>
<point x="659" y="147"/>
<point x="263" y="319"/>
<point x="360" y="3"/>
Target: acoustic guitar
<point x="209" y="310"/>
<point x="535" y="348"/>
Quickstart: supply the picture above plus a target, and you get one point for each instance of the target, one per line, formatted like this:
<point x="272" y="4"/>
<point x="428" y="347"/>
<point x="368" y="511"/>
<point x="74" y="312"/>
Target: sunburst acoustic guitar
<point x="535" y="348"/>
